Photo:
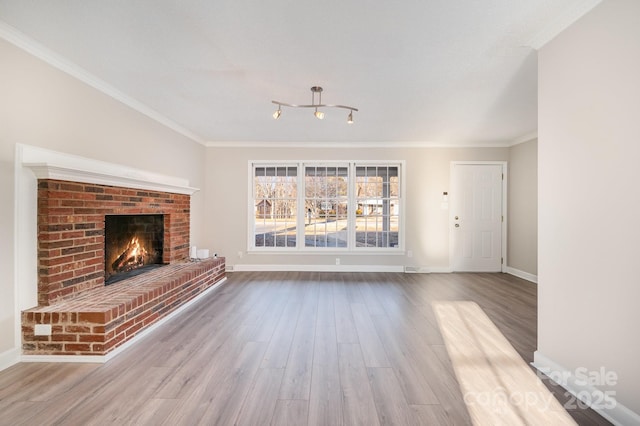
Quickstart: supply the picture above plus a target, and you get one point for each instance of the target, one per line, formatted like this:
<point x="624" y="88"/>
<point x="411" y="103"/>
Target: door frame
<point x="503" y="255"/>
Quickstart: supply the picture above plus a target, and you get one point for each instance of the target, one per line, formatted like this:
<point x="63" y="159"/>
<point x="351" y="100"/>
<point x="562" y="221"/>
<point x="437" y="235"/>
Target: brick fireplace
<point x="76" y="314"/>
<point x="71" y="218"/>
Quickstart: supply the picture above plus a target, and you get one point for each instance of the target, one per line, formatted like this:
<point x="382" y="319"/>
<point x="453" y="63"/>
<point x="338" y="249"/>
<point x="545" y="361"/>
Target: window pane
<point x="378" y="208"/>
<point x="275" y="204"/>
<point x="326" y="191"/>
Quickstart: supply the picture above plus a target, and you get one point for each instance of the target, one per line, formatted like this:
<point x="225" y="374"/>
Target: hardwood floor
<point x="287" y="349"/>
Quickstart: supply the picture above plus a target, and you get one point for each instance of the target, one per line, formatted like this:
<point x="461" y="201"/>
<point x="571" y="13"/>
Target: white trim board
<point x="100" y="359"/>
<point x="356" y="144"/>
<point x="9" y="357"/>
<point x="427" y="270"/>
<point x="524" y="138"/>
<point x="521" y="274"/>
<point x="618" y="415"/>
<point x="314" y="268"/>
<point x="48" y="164"/>
<point x="363" y="268"/>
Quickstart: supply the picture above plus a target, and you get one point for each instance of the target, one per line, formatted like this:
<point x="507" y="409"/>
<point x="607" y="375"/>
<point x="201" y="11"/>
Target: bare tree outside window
<point x="275" y="196"/>
<point x="326" y="197"/>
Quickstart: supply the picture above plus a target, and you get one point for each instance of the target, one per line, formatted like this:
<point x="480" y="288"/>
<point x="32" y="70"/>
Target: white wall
<point x="44" y="107"/>
<point x="427" y="225"/>
<point x="522" y="232"/>
<point x="589" y="200"/>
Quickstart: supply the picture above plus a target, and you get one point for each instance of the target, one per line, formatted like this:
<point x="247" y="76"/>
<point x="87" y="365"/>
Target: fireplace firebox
<point x="133" y="245"/>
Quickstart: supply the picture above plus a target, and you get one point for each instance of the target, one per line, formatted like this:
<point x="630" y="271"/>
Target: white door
<point x="476" y="217"/>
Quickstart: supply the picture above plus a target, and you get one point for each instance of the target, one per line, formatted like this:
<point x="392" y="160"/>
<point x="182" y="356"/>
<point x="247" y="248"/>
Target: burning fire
<point x="133" y="257"/>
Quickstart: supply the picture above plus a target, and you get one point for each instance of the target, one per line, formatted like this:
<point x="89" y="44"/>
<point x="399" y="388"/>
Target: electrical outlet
<point x="337" y="260"/>
<point x="240" y="254"/>
<point x="409" y="253"/>
<point x="42" y="330"/>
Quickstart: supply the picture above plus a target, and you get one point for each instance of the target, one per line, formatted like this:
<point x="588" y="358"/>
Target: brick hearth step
<point x="97" y="322"/>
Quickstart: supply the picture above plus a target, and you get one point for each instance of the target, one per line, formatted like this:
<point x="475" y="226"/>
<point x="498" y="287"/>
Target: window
<point x="313" y="206"/>
<point x="378" y="206"/>
<point x="275" y="207"/>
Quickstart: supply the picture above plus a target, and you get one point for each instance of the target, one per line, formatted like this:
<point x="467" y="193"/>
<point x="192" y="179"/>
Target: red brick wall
<point x="71" y="232"/>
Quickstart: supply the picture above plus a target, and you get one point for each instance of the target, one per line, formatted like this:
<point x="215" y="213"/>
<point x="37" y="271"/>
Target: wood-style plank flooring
<point x="294" y="348"/>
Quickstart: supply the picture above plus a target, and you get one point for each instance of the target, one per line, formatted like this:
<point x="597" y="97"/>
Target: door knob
<point x="457" y="225"/>
<point x="456" y="218"/>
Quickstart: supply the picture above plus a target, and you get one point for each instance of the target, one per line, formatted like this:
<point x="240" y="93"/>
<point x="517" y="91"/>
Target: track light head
<point x="350" y="117"/>
<point x="319" y="114"/>
<point x="276" y="114"/>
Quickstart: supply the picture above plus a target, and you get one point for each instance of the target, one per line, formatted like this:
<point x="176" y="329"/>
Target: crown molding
<point x="562" y="22"/>
<point x="346" y="145"/>
<point x="524" y="138"/>
<point x="36" y="49"/>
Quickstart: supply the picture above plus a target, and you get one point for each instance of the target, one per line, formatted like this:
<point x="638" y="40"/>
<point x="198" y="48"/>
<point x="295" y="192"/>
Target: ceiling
<point x="423" y="72"/>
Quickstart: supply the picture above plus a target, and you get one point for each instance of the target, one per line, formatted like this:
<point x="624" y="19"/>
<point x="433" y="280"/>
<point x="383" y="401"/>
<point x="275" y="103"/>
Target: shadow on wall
<point x="7" y="308"/>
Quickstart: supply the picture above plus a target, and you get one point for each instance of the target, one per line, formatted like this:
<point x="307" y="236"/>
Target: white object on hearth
<point x="193" y="254"/>
<point x="203" y="253"/>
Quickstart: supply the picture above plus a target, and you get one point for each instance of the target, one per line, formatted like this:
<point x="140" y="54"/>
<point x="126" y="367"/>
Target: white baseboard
<point x="137" y="338"/>
<point x="521" y="274"/>
<point x="316" y="268"/>
<point x="9" y="358"/>
<point x="427" y="269"/>
<point x="618" y="414"/>
<point x="339" y="268"/>
<point x="362" y="268"/>
<point x="95" y="359"/>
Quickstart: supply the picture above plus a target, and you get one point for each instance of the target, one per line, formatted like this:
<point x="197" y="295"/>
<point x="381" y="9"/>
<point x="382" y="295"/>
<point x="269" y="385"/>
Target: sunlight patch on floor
<point x="497" y="384"/>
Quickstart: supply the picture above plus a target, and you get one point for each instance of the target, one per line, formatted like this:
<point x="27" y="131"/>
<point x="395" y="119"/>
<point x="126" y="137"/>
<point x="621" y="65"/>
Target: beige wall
<point x="427" y="225"/>
<point x="589" y="201"/>
<point x="44" y="107"/>
<point x="522" y="232"/>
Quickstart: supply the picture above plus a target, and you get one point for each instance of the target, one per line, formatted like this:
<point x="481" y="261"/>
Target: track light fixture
<point x="318" y="113"/>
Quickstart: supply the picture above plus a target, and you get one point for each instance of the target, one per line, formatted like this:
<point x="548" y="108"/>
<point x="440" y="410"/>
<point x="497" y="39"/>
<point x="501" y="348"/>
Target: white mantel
<point x="47" y="164"/>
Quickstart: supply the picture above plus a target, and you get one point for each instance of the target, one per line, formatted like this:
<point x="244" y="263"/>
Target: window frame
<point x="400" y="198"/>
<point x="276" y="201"/>
<point x="351" y="247"/>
